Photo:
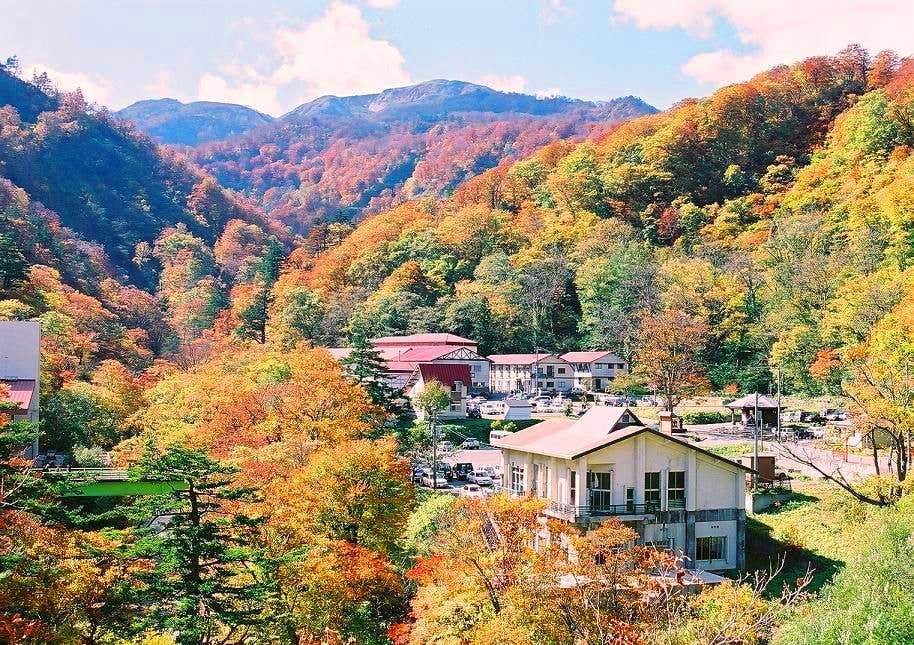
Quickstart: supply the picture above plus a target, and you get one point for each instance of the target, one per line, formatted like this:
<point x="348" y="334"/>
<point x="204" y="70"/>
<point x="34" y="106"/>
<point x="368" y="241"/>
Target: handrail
<point x="93" y="473"/>
<point x="602" y="510"/>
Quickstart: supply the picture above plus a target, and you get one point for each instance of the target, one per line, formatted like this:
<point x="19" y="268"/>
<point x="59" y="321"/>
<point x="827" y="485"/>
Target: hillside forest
<point x="185" y="294"/>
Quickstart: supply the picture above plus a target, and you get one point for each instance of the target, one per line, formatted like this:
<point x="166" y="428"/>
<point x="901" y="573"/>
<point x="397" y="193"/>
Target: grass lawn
<point x="817" y="528"/>
<point x="728" y="450"/>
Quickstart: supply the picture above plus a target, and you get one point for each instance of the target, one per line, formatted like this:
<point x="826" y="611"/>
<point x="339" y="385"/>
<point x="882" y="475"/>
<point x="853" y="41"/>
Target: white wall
<point x="19" y="349"/>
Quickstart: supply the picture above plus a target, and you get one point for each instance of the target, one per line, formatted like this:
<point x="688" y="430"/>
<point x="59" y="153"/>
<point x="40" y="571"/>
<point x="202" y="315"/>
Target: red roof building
<point x="446" y="373"/>
<point x="425" y="340"/>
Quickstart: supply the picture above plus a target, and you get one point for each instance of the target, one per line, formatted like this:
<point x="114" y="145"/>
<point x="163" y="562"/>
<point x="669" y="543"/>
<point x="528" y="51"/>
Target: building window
<point x="561" y="370"/>
<point x="550" y="384"/>
<point x="517" y="478"/>
<point x="601" y="366"/>
<point x="573" y="478"/>
<point x="630" y="499"/>
<point x="652" y="488"/>
<point x="535" y="482"/>
<point x="545" y="489"/>
<point x="708" y="549"/>
<point x="675" y="489"/>
<point x="600" y="485"/>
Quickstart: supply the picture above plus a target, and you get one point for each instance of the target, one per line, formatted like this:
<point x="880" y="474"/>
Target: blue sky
<point x="276" y="55"/>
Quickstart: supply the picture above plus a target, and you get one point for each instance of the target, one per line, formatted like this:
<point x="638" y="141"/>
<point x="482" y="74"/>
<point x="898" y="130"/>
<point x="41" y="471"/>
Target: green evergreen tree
<point x="202" y="586"/>
<point x="366" y="367"/>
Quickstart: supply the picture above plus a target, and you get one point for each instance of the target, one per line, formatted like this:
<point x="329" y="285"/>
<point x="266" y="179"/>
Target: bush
<point x="705" y="417"/>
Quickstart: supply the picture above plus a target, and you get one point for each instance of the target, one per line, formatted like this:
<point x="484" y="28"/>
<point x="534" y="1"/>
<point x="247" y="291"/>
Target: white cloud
<point x="774" y="31"/>
<point x="555" y="10"/>
<point x="162" y="86"/>
<point x="94" y="88"/>
<point x="383" y="4"/>
<point x="503" y="83"/>
<point x="334" y="53"/>
<point x="260" y="94"/>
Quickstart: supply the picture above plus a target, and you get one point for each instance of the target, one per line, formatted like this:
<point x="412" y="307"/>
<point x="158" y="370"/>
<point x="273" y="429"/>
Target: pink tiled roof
<point x="339" y="353"/>
<point x="423" y="339"/>
<point x="446" y="373"/>
<point x="401" y="366"/>
<point x="19" y="392"/>
<point x="590" y="357"/>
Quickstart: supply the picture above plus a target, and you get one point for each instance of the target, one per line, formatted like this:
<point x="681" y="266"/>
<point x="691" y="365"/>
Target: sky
<point x="274" y="55"/>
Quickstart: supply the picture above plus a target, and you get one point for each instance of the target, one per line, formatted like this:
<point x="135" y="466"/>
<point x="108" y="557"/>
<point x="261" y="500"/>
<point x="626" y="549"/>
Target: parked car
<point x="445" y="446"/>
<point x="491" y="407"/>
<point x="474" y="413"/>
<point x="472" y="490"/>
<point x="461" y="471"/>
<point x="434" y="482"/>
<point x="470" y="444"/>
<point x="480" y="477"/>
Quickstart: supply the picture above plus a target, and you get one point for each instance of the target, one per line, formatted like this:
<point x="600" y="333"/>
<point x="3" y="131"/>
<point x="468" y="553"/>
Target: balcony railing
<point x="603" y="510"/>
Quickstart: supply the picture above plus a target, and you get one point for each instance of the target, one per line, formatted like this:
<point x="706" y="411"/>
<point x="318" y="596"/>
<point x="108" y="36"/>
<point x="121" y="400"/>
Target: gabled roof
<point x="18" y="391"/>
<point x="445" y="373"/>
<point x="430" y="353"/>
<point x="423" y="339"/>
<point x="519" y="359"/>
<point x="748" y="401"/>
<point x="601" y="426"/>
<point x="590" y="357"/>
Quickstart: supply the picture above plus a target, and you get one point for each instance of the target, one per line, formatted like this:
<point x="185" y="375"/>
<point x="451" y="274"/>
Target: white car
<point x="491" y="407"/>
<point x="434" y="482"/>
<point x="472" y="490"/>
<point x="470" y="444"/>
<point x="445" y="446"/>
<point x="480" y="477"/>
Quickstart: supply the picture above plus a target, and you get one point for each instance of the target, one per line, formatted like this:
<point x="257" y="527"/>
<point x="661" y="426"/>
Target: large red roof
<point x="20" y="392"/>
<point x="446" y="373"/>
<point x="590" y="357"/>
<point x="424" y="339"/>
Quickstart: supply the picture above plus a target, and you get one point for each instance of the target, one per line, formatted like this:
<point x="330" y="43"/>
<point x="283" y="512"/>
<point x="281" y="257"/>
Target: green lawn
<point x="816" y="528"/>
<point x="729" y="450"/>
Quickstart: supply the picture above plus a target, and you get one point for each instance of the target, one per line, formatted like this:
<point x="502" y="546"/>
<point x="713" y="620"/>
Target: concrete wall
<point x="19" y="349"/>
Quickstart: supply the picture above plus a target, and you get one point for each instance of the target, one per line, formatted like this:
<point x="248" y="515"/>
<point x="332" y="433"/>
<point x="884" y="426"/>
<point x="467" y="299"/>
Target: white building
<point x="20" y="368"/>
<point x="593" y="371"/>
<point x="454" y="377"/>
<point x="608" y="464"/>
<point x="529" y="373"/>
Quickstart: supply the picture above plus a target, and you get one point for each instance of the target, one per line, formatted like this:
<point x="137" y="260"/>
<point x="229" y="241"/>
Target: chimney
<point x="670" y="423"/>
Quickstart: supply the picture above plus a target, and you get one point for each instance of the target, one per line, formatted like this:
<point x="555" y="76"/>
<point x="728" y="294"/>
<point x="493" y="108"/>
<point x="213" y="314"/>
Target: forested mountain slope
<point x="120" y="247"/>
<point x="756" y="210"/>
<point x="337" y="156"/>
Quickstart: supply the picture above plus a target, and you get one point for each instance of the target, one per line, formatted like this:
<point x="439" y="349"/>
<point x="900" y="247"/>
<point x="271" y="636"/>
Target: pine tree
<point x="202" y="587"/>
<point x="366" y="367"/>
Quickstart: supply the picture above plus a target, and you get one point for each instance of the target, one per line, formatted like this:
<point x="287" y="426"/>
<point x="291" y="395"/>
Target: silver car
<point x="480" y="477"/>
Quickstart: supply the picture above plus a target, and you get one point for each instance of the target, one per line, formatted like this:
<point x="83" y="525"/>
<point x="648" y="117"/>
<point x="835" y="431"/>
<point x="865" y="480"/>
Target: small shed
<point x="765" y="466"/>
<point x="746" y="406"/>
<point x="516" y="410"/>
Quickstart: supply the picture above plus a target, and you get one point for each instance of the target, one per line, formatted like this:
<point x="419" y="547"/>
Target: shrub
<point x="703" y="417"/>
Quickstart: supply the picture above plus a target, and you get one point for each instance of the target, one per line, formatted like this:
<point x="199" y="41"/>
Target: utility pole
<point x="434" y="427"/>
<point x="778" y="434"/>
<point x="757" y="432"/>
